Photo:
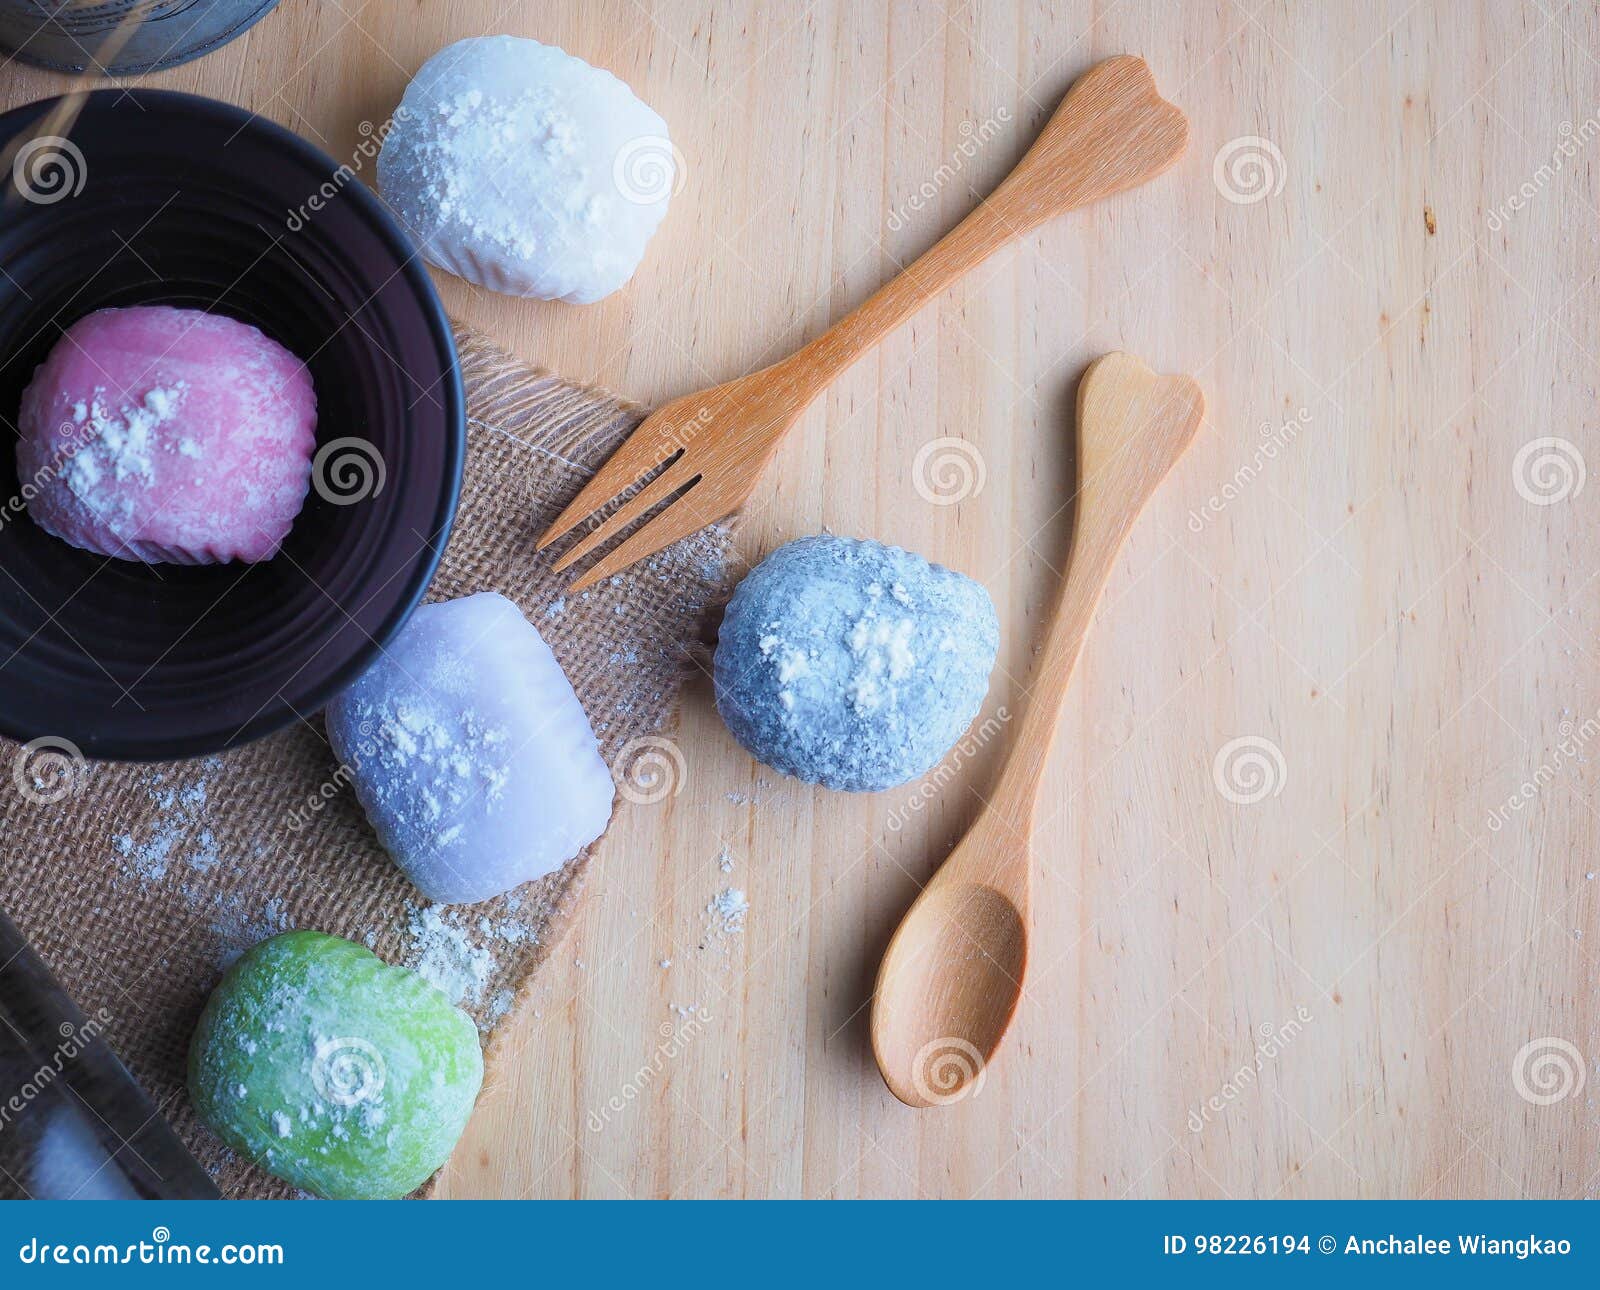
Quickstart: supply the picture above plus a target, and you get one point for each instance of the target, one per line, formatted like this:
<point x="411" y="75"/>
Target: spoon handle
<point x="1133" y="425"/>
<point x="1113" y="131"/>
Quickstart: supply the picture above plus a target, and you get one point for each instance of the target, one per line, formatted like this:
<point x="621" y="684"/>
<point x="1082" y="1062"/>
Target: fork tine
<point x="651" y="443"/>
<point x="703" y="504"/>
<point x="669" y="481"/>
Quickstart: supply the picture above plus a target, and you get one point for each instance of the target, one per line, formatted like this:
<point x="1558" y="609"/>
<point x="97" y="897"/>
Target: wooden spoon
<point x="1112" y="132"/>
<point x="952" y="976"/>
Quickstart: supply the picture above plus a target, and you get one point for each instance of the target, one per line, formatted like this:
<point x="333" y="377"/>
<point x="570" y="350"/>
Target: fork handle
<point x="1112" y="132"/>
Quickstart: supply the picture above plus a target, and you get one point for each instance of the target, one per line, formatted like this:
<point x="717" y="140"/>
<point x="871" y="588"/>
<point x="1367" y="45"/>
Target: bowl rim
<point x="280" y="712"/>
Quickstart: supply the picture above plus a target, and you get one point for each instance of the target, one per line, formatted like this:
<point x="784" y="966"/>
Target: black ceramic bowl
<point x="189" y="202"/>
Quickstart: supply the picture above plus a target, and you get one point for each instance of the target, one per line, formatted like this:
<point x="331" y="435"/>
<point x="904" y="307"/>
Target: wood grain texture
<point x="1377" y="258"/>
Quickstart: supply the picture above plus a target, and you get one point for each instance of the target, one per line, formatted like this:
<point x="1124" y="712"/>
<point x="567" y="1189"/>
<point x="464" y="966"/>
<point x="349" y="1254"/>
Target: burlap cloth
<point x="140" y="886"/>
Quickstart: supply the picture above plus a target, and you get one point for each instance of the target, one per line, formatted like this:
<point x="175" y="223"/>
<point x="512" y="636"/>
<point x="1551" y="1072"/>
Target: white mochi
<point x="526" y="170"/>
<point x="471" y="754"/>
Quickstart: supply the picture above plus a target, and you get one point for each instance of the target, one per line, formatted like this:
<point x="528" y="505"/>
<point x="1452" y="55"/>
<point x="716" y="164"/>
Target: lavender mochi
<point x="471" y="754"/>
<point x="851" y="664"/>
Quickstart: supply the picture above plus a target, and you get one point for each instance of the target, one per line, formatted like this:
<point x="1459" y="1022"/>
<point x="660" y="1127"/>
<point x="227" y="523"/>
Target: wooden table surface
<point x="1316" y="905"/>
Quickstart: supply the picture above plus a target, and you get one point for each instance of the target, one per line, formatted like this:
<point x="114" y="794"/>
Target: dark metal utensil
<point x="73" y="1122"/>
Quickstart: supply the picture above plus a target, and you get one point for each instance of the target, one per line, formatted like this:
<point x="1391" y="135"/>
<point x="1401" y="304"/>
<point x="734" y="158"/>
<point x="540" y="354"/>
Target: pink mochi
<point x="167" y="435"/>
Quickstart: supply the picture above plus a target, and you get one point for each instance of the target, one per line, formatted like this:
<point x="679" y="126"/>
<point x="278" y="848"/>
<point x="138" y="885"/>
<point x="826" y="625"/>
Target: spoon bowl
<point x="963" y="950"/>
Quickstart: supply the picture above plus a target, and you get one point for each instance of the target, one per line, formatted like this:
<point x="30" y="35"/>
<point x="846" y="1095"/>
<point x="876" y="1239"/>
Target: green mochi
<point x="332" y="1070"/>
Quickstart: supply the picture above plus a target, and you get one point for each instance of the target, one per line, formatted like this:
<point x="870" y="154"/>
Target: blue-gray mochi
<point x="851" y="664"/>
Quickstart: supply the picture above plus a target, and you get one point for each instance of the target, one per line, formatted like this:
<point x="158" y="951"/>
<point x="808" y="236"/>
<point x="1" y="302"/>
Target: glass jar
<point x="122" y="37"/>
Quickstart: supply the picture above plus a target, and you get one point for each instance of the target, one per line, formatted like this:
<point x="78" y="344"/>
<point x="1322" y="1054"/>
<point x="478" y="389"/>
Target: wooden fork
<point x="1112" y="132"/>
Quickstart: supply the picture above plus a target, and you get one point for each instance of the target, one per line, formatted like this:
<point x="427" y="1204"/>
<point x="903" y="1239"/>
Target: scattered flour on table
<point x="499" y="1005"/>
<point x="233" y="922"/>
<point x="176" y="846"/>
<point x="178" y="834"/>
<point x="752" y="798"/>
<point x="456" y="952"/>
<point x="727" y="910"/>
